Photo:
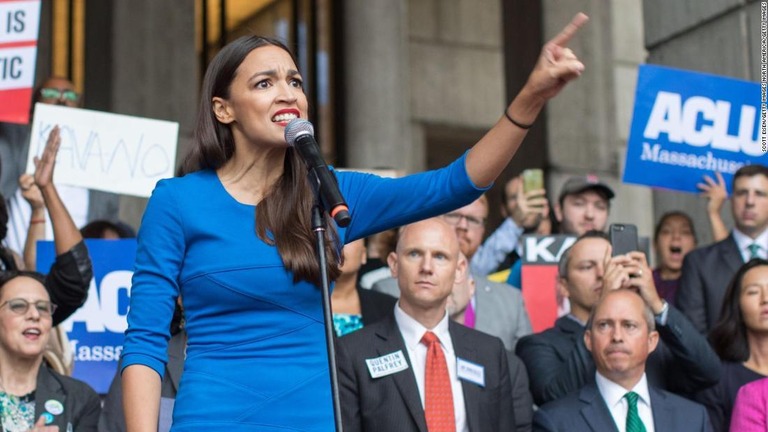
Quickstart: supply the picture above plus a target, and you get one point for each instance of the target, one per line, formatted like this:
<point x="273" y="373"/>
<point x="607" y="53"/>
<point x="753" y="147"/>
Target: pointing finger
<point x="567" y="33"/>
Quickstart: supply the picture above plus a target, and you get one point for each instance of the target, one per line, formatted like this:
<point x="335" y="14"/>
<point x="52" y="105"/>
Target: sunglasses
<point x="54" y="93"/>
<point x="19" y="306"/>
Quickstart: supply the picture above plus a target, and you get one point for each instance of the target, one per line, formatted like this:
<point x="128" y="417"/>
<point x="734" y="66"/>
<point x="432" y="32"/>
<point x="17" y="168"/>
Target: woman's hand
<point x="41" y="427"/>
<point x="47" y="161"/>
<point x="557" y="64"/>
<point x="716" y="195"/>
<point x="714" y="191"/>
<point x="31" y="192"/>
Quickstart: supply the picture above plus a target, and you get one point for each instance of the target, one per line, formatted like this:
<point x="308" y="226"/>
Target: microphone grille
<point x="297" y="127"/>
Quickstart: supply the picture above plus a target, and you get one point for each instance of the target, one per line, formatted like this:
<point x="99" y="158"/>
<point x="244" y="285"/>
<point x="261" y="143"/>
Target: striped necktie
<point x="634" y="424"/>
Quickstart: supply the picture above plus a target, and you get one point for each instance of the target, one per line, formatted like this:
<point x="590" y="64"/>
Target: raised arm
<point x="65" y="232"/>
<point x="716" y="194"/>
<point x="36" y="231"/>
<point x="556" y="66"/>
<point x="70" y="275"/>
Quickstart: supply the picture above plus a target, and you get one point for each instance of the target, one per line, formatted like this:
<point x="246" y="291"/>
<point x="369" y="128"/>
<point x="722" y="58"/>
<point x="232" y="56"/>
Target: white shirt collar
<point x="413" y="331"/>
<point x="743" y="241"/>
<point x="613" y="393"/>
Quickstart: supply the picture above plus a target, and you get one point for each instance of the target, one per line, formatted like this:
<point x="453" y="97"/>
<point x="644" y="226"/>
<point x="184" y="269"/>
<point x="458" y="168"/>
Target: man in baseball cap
<point x="583" y="205"/>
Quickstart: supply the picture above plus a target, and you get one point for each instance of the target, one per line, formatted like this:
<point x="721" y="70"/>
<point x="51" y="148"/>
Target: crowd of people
<point x="225" y="329"/>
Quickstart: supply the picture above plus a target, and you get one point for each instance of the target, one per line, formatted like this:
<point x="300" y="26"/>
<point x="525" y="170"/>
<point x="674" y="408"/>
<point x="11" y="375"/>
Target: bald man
<point x="416" y="370"/>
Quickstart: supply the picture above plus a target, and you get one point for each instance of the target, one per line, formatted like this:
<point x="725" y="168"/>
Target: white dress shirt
<point x="412" y="332"/>
<point x="613" y="395"/>
<point x="743" y="241"/>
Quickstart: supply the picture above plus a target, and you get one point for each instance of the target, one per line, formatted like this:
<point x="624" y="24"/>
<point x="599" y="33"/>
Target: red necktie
<point x="438" y="397"/>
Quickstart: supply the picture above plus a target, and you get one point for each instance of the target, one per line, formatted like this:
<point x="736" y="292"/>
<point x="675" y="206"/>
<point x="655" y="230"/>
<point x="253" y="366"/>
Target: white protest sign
<point x="17" y="68"/>
<point x="109" y="152"/>
<point x="19" y="22"/>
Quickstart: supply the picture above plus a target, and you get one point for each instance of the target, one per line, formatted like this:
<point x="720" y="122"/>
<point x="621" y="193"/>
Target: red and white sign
<point x="19" y="24"/>
<point x="541" y="254"/>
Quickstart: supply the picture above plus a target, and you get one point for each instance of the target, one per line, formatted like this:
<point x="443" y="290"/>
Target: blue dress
<point x="256" y="354"/>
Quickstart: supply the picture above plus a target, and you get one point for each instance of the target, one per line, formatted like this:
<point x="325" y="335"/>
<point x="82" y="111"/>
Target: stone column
<point x="141" y="60"/>
<point x="376" y="70"/>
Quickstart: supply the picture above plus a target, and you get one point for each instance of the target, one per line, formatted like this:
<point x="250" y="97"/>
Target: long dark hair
<point x="283" y="216"/>
<point x="729" y="336"/>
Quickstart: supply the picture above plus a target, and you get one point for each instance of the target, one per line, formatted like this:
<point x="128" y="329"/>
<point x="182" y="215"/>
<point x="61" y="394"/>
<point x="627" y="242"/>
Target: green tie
<point x="754" y="248"/>
<point x="634" y="424"/>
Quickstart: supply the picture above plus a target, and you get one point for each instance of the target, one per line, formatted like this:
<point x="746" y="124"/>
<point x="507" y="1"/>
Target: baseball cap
<point x="579" y="184"/>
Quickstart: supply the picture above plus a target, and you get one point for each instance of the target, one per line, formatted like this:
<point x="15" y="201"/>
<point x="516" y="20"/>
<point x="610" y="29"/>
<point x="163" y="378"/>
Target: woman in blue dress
<point x="233" y="238"/>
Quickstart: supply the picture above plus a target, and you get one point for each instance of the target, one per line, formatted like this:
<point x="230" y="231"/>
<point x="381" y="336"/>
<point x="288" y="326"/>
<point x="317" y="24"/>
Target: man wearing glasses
<point x="84" y="205"/>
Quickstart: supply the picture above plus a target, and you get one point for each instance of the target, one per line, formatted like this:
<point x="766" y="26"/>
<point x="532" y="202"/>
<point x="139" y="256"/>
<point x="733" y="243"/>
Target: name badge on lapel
<point x="387" y="364"/>
<point x="471" y="372"/>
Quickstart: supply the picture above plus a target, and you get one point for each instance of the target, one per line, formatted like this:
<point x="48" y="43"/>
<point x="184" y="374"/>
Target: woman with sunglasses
<point x="32" y="396"/>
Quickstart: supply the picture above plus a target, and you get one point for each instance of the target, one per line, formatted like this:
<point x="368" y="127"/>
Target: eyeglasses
<point x="54" y="93"/>
<point x="19" y="306"/>
<point x="455" y="219"/>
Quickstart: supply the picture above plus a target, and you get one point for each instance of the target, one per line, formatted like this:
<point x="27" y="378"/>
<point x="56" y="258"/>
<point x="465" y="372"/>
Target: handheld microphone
<point x="300" y="135"/>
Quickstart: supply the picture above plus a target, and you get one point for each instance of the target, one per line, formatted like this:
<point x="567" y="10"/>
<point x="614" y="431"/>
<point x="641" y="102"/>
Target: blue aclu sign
<point x="688" y="124"/>
<point x="96" y="330"/>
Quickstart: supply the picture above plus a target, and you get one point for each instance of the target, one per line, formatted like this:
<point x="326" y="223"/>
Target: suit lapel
<point x="462" y="346"/>
<point x="596" y="413"/>
<point x="391" y="341"/>
<point x="729" y="252"/>
<point x="663" y="414"/>
<point x="49" y="390"/>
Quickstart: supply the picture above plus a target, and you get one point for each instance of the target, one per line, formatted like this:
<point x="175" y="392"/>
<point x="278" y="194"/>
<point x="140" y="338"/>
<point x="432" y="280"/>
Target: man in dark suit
<point x="620" y="335"/>
<point x="708" y="270"/>
<point x="416" y="370"/>
<point x="557" y="359"/>
<point x="463" y="291"/>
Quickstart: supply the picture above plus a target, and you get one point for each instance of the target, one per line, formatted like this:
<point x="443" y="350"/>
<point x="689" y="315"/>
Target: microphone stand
<point x="318" y="226"/>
